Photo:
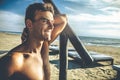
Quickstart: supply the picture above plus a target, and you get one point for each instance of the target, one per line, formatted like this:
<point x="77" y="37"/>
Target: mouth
<point x="48" y="34"/>
<point x="48" y="31"/>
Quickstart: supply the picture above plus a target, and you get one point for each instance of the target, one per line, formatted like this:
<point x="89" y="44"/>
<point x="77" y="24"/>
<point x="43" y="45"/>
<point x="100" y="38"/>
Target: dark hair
<point x="31" y="9"/>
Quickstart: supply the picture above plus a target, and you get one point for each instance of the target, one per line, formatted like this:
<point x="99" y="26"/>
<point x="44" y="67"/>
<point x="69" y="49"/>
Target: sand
<point x="74" y="71"/>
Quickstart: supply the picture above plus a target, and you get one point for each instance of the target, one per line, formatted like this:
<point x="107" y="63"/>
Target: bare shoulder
<point x="16" y="59"/>
<point x="9" y="64"/>
<point x="12" y="60"/>
<point x="17" y="56"/>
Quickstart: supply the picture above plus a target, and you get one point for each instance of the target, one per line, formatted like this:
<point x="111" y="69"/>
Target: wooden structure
<point x="117" y="68"/>
<point x="77" y="44"/>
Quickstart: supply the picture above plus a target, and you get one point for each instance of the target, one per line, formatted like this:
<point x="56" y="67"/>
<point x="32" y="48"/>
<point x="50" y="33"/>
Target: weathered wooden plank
<point x="77" y="44"/>
<point x="116" y="67"/>
<point x="63" y="57"/>
<point x="98" y="57"/>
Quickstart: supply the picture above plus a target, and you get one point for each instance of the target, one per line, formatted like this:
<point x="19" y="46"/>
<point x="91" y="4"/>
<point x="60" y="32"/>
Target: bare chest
<point x="32" y="68"/>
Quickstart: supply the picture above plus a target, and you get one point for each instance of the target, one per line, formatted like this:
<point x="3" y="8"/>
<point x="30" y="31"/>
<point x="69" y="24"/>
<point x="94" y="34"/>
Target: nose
<point x="50" y="25"/>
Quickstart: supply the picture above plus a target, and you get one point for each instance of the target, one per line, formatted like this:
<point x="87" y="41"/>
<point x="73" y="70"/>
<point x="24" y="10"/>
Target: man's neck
<point x="33" y="45"/>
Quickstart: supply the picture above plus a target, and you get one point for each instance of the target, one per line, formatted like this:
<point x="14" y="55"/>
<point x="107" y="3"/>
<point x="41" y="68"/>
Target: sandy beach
<point x="75" y="71"/>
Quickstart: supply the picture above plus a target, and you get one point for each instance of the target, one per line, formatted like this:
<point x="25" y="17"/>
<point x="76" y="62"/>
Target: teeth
<point x="48" y="31"/>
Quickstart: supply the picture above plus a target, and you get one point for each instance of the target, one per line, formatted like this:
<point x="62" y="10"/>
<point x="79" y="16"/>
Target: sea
<point x="100" y="41"/>
<point x="90" y="41"/>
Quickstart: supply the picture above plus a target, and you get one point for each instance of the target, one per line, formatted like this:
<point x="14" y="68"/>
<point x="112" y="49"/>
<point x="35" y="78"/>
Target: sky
<point x="96" y="18"/>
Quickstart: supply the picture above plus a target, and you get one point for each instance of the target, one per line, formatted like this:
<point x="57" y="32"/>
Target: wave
<point x="100" y="41"/>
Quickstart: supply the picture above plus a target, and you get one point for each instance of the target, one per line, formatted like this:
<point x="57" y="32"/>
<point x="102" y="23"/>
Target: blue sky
<point x="99" y="18"/>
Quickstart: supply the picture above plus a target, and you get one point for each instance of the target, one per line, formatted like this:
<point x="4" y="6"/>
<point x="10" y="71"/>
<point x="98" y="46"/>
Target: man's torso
<point x="31" y="67"/>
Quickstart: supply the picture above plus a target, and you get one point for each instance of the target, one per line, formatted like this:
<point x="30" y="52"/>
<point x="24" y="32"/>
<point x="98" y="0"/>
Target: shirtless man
<point x="29" y="60"/>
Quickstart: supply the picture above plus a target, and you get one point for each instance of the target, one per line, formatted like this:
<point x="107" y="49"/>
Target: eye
<point x="44" y="20"/>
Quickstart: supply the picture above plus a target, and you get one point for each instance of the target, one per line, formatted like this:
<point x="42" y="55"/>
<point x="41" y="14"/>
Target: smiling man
<point x="29" y="60"/>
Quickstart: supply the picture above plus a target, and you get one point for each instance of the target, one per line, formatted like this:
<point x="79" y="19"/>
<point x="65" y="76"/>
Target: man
<point x="29" y="60"/>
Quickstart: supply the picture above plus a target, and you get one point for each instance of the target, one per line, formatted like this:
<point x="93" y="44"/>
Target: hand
<point x="24" y="35"/>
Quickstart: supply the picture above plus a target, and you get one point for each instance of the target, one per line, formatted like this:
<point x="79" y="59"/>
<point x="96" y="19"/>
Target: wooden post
<point x="63" y="56"/>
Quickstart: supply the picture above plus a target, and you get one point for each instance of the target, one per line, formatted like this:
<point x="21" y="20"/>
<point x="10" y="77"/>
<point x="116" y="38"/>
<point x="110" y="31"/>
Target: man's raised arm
<point x="59" y="25"/>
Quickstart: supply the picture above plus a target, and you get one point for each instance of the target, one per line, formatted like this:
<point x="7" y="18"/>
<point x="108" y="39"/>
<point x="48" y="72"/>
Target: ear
<point x="28" y="23"/>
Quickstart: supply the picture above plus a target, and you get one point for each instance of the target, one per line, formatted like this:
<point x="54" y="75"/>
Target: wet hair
<point x="31" y="9"/>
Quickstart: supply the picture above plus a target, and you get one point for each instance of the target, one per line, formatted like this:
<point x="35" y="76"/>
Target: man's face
<point x="43" y="25"/>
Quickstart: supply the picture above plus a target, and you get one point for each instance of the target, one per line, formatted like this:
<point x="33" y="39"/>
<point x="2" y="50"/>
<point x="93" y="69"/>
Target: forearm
<point x="47" y="71"/>
<point x="45" y="57"/>
<point x="59" y="25"/>
<point x="60" y="19"/>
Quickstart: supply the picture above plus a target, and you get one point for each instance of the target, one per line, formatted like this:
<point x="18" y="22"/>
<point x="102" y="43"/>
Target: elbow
<point x="64" y="19"/>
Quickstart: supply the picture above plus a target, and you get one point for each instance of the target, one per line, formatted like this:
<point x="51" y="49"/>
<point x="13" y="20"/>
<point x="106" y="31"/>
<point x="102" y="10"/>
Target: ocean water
<point x="98" y="41"/>
<point x="10" y="32"/>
